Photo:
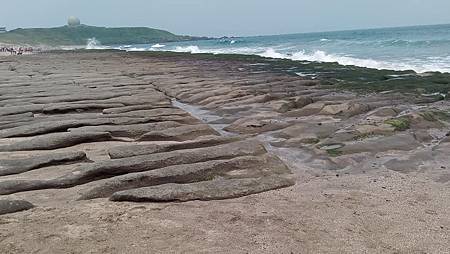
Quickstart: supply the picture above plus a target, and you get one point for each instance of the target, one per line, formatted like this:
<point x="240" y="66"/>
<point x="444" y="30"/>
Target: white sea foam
<point x="321" y="56"/>
<point x="301" y="74"/>
<point x="227" y="50"/>
<point x="69" y="47"/>
<point x="93" y="43"/>
<point x="418" y="65"/>
<point x="136" y="49"/>
<point x="157" y="45"/>
<point x="188" y="49"/>
<point x="271" y="53"/>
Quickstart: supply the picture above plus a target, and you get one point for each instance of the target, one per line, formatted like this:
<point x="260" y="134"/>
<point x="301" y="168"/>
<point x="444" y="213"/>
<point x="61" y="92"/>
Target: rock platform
<point x="116" y="152"/>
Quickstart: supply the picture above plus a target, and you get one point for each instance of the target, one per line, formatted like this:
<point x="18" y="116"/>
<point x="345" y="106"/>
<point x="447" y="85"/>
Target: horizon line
<point x="242" y="36"/>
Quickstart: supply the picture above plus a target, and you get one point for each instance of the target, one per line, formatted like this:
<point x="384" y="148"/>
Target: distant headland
<point x="76" y="33"/>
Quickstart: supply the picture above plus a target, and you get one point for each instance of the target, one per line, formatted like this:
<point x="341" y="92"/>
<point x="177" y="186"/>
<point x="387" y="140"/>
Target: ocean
<point x="418" y="48"/>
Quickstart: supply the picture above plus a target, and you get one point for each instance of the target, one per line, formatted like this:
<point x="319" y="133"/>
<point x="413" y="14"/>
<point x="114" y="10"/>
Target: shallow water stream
<point x="294" y="158"/>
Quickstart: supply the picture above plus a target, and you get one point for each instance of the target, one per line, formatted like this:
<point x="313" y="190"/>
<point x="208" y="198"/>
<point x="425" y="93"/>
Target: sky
<point x="228" y="17"/>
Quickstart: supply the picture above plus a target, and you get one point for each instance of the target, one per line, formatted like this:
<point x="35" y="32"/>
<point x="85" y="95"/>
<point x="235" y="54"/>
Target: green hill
<point x="79" y="35"/>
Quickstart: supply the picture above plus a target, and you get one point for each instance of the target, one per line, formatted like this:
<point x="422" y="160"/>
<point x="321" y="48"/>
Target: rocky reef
<point x="149" y="141"/>
<point x="99" y="148"/>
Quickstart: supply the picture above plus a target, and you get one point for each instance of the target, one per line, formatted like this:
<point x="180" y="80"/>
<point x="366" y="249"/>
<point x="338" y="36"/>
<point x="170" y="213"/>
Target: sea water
<point x="419" y="48"/>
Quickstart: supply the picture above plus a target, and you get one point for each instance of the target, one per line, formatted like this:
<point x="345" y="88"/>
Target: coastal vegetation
<point x="435" y="115"/>
<point x="400" y="124"/>
<point x="79" y="35"/>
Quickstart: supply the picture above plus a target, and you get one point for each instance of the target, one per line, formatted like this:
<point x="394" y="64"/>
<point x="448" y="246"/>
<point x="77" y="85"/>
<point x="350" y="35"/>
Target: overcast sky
<point x="227" y="17"/>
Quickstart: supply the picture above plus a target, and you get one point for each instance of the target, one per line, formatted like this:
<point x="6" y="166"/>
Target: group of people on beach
<point x="16" y="51"/>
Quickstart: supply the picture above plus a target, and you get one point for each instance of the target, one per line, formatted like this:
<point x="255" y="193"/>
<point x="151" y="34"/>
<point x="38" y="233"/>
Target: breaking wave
<point x="157" y="45"/>
<point x="93" y="43"/>
<point x="440" y="65"/>
<point x="189" y="49"/>
<point x="422" y="49"/>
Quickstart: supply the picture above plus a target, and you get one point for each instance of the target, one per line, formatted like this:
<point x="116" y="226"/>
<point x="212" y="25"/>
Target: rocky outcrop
<point x="74" y="107"/>
<point x="72" y="114"/>
<point x="310" y="109"/>
<point x="181" y="133"/>
<point x="208" y="190"/>
<point x="166" y="153"/>
<point x="106" y="169"/>
<point x="402" y="142"/>
<point x="126" y="109"/>
<point x="136" y="150"/>
<point x="130" y="131"/>
<point x="13" y="206"/>
<point x="20" y="165"/>
<point x="245" y="166"/>
<point x="254" y="125"/>
<point x="45" y="127"/>
<point x="14" y="110"/>
<point x="347" y="109"/>
<point x="56" y="140"/>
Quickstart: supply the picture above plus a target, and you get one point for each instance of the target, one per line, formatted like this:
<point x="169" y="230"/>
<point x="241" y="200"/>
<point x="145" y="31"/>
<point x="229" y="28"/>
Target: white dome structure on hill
<point x="73" y="21"/>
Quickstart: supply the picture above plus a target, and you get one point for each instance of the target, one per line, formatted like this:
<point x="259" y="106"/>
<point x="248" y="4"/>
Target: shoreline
<point x="240" y="55"/>
<point x="369" y="165"/>
<point x="347" y="77"/>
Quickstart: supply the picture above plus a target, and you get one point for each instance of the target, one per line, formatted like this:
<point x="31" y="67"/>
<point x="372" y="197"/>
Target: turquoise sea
<point x="419" y="48"/>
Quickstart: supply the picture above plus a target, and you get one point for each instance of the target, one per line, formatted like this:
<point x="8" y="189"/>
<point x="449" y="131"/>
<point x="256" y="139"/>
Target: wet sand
<point x="371" y="171"/>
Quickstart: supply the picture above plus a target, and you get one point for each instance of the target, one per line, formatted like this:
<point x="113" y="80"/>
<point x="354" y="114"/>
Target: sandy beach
<point x="177" y="153"/>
